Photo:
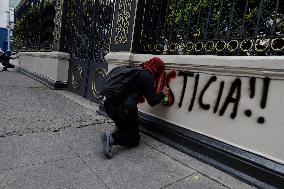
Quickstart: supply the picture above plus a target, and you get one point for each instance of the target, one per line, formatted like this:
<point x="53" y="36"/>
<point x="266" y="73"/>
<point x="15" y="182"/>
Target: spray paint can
<point x="165" y="100"/>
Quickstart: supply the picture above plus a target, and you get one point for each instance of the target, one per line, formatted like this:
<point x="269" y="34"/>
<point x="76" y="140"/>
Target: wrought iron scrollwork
<point x="220" y="46"/>
<point x="209" y="46"/>
<point x="220" y="27"/>
<point x="261" y="45"/>
<point x="57" y="25"/>
<point x="122" y="27"/>
<point x="70" y="14"/>
<point x="233" y="45"/>
<point x="277" y="44"/>
<point x="86" y="37"/>
<point x="246" y="45"/>
<point x="77" y="77"/>
<point x="88" y="28"/>
<point x="95" y="88"/>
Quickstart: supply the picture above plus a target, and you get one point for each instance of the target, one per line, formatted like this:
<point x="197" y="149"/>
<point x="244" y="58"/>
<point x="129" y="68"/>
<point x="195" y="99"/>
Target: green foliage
<point x="202" y="18"/>
<point x="28" y="29"/>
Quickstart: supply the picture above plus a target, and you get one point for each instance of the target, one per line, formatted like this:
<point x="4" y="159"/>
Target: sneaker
<point x="10" y="66"/>
<point x="4" y="69"/>
<point x="107" y="144"/>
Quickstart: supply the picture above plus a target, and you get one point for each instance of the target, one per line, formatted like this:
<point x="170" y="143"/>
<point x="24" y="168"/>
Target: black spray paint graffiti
<point x="233" y="97"/>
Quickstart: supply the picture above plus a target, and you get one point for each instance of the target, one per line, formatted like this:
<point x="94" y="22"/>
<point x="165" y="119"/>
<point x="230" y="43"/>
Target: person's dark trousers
<point x="7" y="65"/>
<point x="125" y="117"/>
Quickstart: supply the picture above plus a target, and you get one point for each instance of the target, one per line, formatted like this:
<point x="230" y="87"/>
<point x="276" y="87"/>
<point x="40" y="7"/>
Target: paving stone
<point x="39" y="110"/>
<point x="222" y="177"/>
<point x="32" y="149"/>
<point x="13" y="78"/>
<point x="2" y="177"/>
<point x="86" y="140"/>
<point x="195" y="164"/>
<point x="139" y="167"/>
<point x="79" y="100"/>
<point x="196" y="181"/>
<point x="163" y="148"/>
<point x="71" y="173"/>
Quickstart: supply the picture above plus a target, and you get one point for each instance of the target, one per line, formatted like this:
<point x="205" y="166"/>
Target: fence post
<point x="57" y="25"/>
<point x="126" y="30"/>
<point x="128" y="24"/>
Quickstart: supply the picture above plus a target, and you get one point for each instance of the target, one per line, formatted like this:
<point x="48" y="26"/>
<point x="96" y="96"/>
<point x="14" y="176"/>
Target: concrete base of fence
<point x="50" y="68"/>
<point x="235" y="101"/>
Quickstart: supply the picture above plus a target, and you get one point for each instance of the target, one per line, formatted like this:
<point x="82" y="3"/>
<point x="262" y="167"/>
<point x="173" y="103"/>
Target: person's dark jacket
<point x="142" y="84"/>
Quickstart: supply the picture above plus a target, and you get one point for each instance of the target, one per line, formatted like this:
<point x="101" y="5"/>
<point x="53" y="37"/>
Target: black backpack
<point x="117" y="80"/>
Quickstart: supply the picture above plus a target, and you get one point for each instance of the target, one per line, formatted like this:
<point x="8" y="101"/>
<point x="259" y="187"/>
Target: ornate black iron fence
<point x="34" y="26"/>
<point x="218" y="27"/>
<point x="86" y="36"/>
<point x="87" y="28"/>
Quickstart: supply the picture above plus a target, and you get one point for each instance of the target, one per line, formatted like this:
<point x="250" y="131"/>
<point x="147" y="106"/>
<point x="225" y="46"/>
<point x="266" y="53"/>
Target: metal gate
<point x="87" y="39"/>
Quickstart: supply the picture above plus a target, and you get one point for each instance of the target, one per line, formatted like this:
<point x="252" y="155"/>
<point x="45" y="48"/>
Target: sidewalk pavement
<point x="51" y="139"/>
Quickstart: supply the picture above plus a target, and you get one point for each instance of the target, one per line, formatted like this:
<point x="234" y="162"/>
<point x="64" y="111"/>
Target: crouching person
<point x="5" y="60"/>
<point x="123" y="88"/>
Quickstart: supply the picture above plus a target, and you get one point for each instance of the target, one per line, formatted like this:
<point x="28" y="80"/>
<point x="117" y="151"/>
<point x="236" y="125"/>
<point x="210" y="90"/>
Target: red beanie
<point x="155" y="66"/>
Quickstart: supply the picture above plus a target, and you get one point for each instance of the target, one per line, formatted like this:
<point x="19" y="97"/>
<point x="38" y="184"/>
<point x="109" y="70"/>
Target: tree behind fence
<point x="34" y="26"/>
<point x="219" y="27"/>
